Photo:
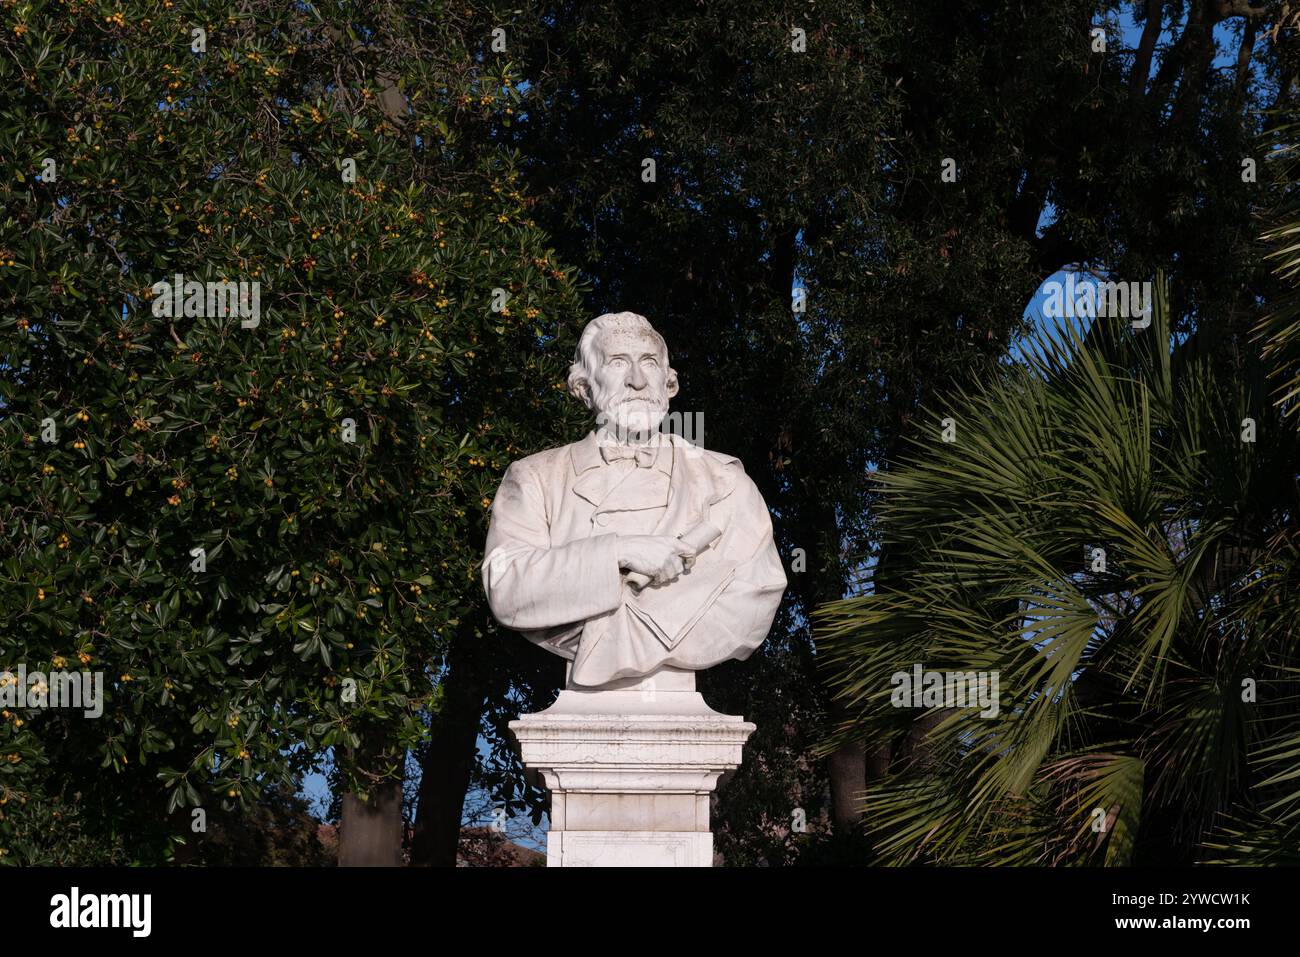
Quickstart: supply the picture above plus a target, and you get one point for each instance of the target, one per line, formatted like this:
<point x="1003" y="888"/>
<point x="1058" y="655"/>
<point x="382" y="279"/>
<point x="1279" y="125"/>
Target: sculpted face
<point x="630" y="386"/>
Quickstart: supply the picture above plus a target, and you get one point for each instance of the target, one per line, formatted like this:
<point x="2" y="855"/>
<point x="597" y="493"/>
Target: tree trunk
<point x="847" y="766"/>
<point x="1245" y="56"/>
<point x="848" y="773"/>
<point x="370" y="832"/>
<point x="449" y="758"/>
<point x="1146" y="48"/>
<point x="1200" y="56"/>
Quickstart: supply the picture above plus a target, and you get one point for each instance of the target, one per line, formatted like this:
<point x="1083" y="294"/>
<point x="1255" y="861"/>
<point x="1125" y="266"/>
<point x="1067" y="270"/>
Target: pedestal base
<point x="630" y="768"/>
<point x="629" y="849"/>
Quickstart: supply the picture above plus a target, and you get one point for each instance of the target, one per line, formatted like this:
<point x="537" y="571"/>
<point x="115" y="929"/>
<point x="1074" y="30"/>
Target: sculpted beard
<point x="625" y="414"/>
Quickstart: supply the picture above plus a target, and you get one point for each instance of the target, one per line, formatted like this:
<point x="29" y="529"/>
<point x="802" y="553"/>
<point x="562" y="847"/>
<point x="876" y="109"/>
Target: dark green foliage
<point x="327" y="562"/>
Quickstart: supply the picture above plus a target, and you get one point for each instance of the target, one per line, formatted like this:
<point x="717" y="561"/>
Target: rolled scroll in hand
<point x="698" y="539"/>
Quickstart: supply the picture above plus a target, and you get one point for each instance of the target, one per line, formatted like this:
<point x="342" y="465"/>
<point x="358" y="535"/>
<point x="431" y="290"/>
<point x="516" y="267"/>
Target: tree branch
<point x="1243" y="8"/>
<point x="1245" y="53"/>
<point x="1146" y="47"/>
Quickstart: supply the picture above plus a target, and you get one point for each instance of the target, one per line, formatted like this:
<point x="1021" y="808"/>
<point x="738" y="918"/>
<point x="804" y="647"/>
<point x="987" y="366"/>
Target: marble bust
<point x="632" y="550"/>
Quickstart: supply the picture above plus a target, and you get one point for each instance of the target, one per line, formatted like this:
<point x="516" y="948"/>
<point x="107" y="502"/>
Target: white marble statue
<point x="632" y="550"/>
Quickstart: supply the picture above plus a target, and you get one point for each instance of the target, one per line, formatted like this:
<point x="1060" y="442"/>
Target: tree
<point x="255" y="524"/>
<point x="916" y="170"/>
<point x="1110" y="536"/>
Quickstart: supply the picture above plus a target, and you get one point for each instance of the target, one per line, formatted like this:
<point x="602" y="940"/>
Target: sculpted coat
<point x="552" y="572"/>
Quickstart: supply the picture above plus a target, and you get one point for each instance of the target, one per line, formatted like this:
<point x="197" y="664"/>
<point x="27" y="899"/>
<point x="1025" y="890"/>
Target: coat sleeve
<point x="530" y="585"/>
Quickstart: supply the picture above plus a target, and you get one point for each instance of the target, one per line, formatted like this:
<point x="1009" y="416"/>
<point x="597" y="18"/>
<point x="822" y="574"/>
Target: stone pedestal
<point x="630" y="768"/>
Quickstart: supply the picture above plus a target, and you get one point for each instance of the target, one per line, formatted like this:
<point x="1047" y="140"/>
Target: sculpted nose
<point x="635" y="377"/>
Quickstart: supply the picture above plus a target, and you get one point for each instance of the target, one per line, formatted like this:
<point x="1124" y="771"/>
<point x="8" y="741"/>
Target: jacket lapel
<point x="610" y="489"/>
<point x="695" y="485"/>
<point x="589" y="482"/>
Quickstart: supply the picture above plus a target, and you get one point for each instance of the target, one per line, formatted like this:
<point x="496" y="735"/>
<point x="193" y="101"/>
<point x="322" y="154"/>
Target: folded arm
<point x="530" y="585"/>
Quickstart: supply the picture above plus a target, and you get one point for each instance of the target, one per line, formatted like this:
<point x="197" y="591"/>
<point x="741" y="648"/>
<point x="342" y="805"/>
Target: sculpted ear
<point x="580" y="389"/>
<point x="671" y="385"/>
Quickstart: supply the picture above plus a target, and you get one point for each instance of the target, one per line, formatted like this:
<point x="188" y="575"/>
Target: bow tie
<point x="644" y="454"/>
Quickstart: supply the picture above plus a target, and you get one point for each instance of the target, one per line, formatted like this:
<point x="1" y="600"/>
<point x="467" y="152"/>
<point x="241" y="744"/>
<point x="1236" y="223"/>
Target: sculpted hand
<point x="658" y="557"/>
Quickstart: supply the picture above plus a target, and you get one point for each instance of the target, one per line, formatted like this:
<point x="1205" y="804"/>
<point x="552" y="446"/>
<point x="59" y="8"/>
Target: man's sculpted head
<point x="620" y="370"/>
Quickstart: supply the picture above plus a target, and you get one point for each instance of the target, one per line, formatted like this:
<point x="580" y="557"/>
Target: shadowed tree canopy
<point x="702" y="163"/>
